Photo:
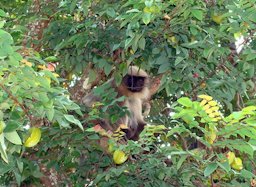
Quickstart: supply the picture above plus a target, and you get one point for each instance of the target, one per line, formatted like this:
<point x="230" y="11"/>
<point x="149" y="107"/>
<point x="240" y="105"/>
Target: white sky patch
<point x="239" y="44"/>
<point x="171" y="114"/>
<point x="26" y="127"/>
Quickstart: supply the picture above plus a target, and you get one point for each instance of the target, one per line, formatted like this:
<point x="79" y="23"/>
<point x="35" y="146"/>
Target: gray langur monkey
<point x="135" y="87"/>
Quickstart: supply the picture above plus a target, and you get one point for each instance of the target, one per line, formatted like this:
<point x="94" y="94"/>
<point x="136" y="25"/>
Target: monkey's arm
<point x="153" y="88"/>
<point x="90" y="99"/>
<point x="147" y="107"/>
<point x="155" y="84"/>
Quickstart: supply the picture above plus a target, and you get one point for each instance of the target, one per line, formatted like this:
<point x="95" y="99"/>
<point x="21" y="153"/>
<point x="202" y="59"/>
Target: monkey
<point x="135" y="87"/>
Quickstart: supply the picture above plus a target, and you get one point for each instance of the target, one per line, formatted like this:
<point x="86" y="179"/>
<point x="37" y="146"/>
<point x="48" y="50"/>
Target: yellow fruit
<point x="237" y="164"/>
<point x="119" y="157"/>
<point x="231" y="157"/>
<point x="217" y="19"/>
<point x="34" y="138"/>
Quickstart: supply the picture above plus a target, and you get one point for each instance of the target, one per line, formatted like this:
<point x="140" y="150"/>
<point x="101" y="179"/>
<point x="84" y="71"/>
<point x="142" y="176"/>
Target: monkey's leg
<point x="140" y="128"/>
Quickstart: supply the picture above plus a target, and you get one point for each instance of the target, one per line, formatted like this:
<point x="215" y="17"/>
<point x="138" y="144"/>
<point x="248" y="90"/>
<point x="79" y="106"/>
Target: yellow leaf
<point x="212" y="103"/>
<point x="217" y="18"/>
<point x="231" y="157"/>
<point x="211" y="136"/>
<point x="123" y="126"/>
<point x="110" y="148"/>
<point x="215" y="108"/>
<point x="203" y="102"/>
<point x="42" y="67"/>
<point x="209" y="111"/>
<point x="56" y="75"/>
<point x="212" y="115"/>
<point x="216" y="118"/>
<point x="206" y="97"/>
<point x="167" y="17"/>
<point x="147" y="10"/>
<point x="34" y="138"/>
<point x="216" y="113"/>
<point x="119" y="157"/>
<point x="48" y="80"/>
<point x="237" y="35"/>
<point x="237" y="164"/>
<point x="131" y="51"/>
<point x="26" y="62"/>
<point x="173" y="39"/>
<point x="206" y="107"/>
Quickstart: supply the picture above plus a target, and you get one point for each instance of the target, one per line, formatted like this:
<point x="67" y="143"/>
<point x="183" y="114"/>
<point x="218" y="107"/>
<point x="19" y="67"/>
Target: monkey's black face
<point x="134" y="83"/>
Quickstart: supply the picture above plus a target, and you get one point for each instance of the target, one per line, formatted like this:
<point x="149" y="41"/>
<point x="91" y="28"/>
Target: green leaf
<point x="50" y="114"/>
<point x="20" y="165"/>
<point x="210" y="169"/>
<point x="12" y="125"/>
<point x="142" y="43"/>
<point x="5" y="38"/>
<point x="181" y="160"/>
<point x="178" y="60"/>
<point x="197" y="14"/>
<point x="2" y="24"/>
<point x="111" y="12"/>
<point x="43" y="97"/>
<point x="146" y="18"/>
<point x="72" y="119"/>
<point x="128" y="42"/>
<point x="164" y="67"/>
<point x="3" y="148"/>
<point x="51" y="59"/>
<point x="185" y="102"/>
<point x="18" y="177"/>
<point x="247" y="174"/>
<point x="2" y="13"/>
<point x="13" y="137"/>
<point x="4" y="168"/>
<point x="149" y="3"/>
<point x="250" y="56"/>
<point x="107" y="69"/>
<point x="225" y="166"/>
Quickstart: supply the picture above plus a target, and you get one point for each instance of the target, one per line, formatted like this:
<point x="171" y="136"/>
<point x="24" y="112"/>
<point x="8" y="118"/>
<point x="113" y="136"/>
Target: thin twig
<point x="12" y="97"/>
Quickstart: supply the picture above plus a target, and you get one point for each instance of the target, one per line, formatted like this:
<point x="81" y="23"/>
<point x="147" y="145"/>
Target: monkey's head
<point x="135" y="80"/>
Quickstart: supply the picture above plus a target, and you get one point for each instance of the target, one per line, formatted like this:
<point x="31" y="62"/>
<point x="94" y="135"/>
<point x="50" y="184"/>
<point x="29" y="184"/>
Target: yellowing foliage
<point x="211" y="107"/>
<point x="34" y="138"/>
<point x="27" y="63"/>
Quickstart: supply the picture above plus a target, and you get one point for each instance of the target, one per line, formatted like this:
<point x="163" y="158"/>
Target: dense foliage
<point x="203" y="51"/>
